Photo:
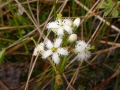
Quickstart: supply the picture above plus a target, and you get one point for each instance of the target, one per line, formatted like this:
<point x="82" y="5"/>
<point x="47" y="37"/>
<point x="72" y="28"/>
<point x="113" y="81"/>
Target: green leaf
<point x="23" y="31"/>
<point x="107" y="12"/>
<point x="82" y="87"/>
<point x="2" y="54"/>
<point x="115" y="13"/>
<point x="104" y="5"/>
<point x="110" y="2"/>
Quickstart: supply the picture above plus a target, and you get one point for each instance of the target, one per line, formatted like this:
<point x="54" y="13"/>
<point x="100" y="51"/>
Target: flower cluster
<point x="55" y="50"/>
<point x="64" y="30"/>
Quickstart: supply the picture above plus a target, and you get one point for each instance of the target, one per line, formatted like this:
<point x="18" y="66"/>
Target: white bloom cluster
<point x="55" y="49"/>
<point x="60" y="25"/>
<point x="51" y="49"/>
<point x="82" y="50"/>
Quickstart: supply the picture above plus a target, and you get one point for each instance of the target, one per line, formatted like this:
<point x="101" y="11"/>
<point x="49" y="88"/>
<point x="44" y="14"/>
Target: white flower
<point x="39" y="49"/>
<point x="54" y="50"/>
<point x="72" y="37"/>
<point x="67" y="22"/>
<point x="60" y="25"/>
<point x="82" y="50"/>
<point x="52" y="25"/>
<point x="76" y="22"/>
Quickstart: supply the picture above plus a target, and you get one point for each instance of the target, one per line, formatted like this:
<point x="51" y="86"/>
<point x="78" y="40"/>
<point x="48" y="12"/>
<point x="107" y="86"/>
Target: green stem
<point x="55" y="9"/>
<point x="73" y="8"/>
<point x="63" y="64"/>
<point x="56" y="86"/>
<point x="53" y="66"/>
<point x="33" y="41"/>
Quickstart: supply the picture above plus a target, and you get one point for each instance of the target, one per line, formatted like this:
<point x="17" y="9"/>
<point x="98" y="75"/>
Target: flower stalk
<point x="57" y="52"/>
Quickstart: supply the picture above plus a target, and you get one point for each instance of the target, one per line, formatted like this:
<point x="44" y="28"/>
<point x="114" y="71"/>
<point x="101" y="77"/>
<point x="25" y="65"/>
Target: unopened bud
<point x="76" y="22"/>
<point x="72" y="37"/>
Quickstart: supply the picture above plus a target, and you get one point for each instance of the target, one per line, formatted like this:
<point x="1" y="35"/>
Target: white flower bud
<point x="70" y="22"/>
<point x="76" y="22"/>
<point x="72" y="37"/>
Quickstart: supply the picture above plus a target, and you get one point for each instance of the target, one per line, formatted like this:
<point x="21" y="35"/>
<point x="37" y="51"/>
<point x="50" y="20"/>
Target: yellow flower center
<point x="59" y="15"/>
<point x="54" y="49"/>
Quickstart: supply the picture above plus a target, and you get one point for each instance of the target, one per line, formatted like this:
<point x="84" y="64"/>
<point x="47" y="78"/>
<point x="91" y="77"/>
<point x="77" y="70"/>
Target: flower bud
<point x="72" y="37"/>
<point x="76" y="22"/>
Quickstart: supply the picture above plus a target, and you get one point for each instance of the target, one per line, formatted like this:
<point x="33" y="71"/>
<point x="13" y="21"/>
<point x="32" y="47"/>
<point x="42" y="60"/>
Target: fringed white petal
<point x="46" y="54"/>
<point x="48" y="44"/>
<point x="55" y="58"/>
<point x="68" y="29"/>
<point x="52" y="25"/>
<point x="80" y="57"/>
<point x="67" y="22"/>
<point x="60" y="32"/>
<point x="83" y="56"/>
<point x="78" y="49"/>
<point x="62" y="51"/>
<point x="57" y="42"/>
<point x="39" y="49"/>
<point x="35" y="52"/>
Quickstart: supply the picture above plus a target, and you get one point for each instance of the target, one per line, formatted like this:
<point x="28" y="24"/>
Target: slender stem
<point x="56" y="87"/>
<point x="54" y="9"/>
<point x="63" y="64"/>
<point x="73" y="8"/>
<point x="30" y="72"/>
<point x="56" y="71"/>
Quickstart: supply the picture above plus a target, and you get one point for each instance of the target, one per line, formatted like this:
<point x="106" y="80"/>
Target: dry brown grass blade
<point x="68" y="82"/>
<point x="13" y="27"/>
<point x="3" y="86"/>
<point x="110" y="43"/>
<point x="105" y="50"/>
<point x="73" y="79"/>
<point x="105" y="82"/>
<point x="97" y="16"/>
<point x="116" y="45"/>
<point x="37" y="27"/>
<point x="19" y="45"/>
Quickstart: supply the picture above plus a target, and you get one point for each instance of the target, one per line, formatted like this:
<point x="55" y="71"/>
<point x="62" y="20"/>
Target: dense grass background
<point x="22" y="19"/>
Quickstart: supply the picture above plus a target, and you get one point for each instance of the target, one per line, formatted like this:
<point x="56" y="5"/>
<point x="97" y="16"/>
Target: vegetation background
<point x="22" y="19"/>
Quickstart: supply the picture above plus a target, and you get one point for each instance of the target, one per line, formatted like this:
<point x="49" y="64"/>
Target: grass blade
<point x="2" y="54"/>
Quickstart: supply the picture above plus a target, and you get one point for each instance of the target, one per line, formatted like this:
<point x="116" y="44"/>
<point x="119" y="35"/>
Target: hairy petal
<point x="52" y="25"/>
<point x="62" y="51"/>
<point x="35" y="52"/>
<point x="68" y="29"/>
<point x="46" y="54"/>
<point x="38" y="49"/>
<point x="55" y="58"/>
<point x="57" y="42"/>
<point x="48" y="44"/>
<point x="60" y="32"/>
